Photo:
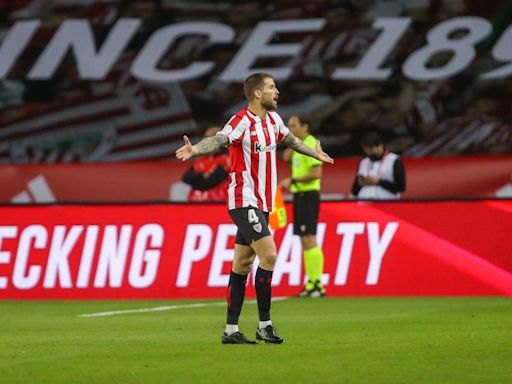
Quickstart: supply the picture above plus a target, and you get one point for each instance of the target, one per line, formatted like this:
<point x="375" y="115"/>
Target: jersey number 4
<point x="252" y="217"/>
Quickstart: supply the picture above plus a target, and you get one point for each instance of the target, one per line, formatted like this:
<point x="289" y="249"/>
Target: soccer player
<point x="252" y="136"/>
<point x="305" y="186"/>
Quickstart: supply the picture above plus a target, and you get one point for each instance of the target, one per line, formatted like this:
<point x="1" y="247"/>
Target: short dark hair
<point x="304" y="120"/>
<point x="372" y="139"/>
<point x="254" y="82"/>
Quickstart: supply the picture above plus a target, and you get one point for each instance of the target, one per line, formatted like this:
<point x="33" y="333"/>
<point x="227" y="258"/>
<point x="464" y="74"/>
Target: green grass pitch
<point x="331" y="340"/>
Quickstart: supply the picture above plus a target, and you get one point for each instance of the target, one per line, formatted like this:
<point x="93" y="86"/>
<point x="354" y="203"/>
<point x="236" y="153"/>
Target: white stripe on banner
<point x="166" y="308"/>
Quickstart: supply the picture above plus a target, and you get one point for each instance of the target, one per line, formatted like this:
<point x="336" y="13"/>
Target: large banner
<point x="88" y="81"/>
<point x="161" y="180"/>
<point x="185" y="251"/>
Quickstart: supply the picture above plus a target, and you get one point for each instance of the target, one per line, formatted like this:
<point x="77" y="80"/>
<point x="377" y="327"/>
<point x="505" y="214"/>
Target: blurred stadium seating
<point x="70" y="117"/>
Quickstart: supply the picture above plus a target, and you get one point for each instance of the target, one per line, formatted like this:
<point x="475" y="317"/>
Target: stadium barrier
<point x="142" y="181"/>
<point x="169" y="251"/>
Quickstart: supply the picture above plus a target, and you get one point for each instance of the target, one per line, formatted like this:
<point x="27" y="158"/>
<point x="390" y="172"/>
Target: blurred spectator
<point x="11" y="93"/>
<point x="151" y="15"/>
<point x="381" y="174"/>
<point x="341" y="36"/>
<point x="208" y="176"/>
<point x="445" y="116"/>
<point x="478" y="129"/>
<point x="243" y="17"/>
<point x="214" y="101"/>
<point x="341" y="123"/>
<point x="417" y="9"/>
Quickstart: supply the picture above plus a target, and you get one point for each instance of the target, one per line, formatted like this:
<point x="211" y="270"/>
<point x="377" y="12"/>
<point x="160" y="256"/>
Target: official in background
<point x="305" y="187"/>
<point x="381" y="174"/>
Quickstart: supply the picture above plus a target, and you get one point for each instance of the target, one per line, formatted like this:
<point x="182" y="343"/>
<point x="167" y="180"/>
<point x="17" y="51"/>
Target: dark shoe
<point x="268" y="335"/>
<point x="236" y="338"/>
<point x="318" y="291"/>
<point x="305" y="292"/>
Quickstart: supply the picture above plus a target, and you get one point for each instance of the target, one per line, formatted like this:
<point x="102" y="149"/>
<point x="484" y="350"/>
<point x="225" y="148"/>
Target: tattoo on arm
<point x="211" y="144"/>
<point x="293" y="142"/>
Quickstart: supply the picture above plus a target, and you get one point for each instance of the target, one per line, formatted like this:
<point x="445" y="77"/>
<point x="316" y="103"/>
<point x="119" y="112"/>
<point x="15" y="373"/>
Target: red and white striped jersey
<point x="252" y="152"/>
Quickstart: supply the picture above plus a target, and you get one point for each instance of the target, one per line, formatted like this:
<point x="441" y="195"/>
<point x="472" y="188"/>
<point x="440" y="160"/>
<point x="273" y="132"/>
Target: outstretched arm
<point x="206" y="145"/>
<point x="293" y="142"/>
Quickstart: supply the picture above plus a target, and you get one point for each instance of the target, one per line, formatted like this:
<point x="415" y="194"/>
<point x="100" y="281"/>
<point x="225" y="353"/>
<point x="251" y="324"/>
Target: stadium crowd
<point x="451" y="116"/>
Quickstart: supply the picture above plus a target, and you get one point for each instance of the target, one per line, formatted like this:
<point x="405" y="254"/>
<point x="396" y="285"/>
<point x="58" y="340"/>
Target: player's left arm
<point x="293" y="142"/>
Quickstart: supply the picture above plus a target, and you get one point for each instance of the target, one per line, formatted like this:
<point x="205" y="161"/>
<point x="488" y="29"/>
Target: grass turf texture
<point x="357" y="340"/>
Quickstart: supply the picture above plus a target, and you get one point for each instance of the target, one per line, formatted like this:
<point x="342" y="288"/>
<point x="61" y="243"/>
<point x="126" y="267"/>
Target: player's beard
<point x="269" y="105"/>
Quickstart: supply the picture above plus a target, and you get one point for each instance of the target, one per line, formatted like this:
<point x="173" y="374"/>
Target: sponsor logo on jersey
<point x="263" y="148"/>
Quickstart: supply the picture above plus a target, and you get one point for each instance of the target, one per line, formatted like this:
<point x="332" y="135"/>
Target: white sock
<point x="264" y="324"/>
<point x="231" y="328"/>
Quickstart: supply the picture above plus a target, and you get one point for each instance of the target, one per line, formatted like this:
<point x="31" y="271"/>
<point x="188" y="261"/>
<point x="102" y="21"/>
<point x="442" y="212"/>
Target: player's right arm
<point x="205" y="146"/>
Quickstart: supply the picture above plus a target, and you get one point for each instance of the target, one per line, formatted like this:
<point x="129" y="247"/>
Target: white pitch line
<point x="165" y="308"/>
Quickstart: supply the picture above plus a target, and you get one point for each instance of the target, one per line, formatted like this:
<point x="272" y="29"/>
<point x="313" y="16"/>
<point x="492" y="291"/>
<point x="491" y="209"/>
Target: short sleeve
<point x="234" y="129"/>
<point x="282" y="130"/>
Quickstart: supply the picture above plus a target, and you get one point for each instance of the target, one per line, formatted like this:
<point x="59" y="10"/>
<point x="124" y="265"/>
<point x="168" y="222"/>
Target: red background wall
<point x="427" y="248"/>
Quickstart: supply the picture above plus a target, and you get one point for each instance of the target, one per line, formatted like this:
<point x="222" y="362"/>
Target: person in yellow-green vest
<point x="305" y="187"/>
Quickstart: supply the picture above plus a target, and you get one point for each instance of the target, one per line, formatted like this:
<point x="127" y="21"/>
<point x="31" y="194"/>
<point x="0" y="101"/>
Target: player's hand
<point x="322" y="156"/>
<point x="186" y="151"/>
<point x="286" y="183"/>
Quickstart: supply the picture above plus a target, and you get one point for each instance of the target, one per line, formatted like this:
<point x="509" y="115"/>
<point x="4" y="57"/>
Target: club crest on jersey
<point x="263" y="148"/>
<point x="227" y="129"/>
<point x="257" y="227"/>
